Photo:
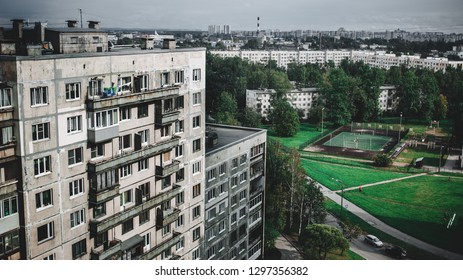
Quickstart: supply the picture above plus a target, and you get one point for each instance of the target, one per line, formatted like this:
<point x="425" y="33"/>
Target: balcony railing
<point x="8" y="187"/>
<point x="168" y="217"/>
<point x="6" y="113"/>
<point x="133" y="156"/>
<point x="164" y="171"/>
<point x="116" y="247"/>
<point x="99" y="196"/>
<point x="157" y="250"/>
<point x="166" y="117"/>
<point x="99" y="102"/>
<point x="116" y="219"/>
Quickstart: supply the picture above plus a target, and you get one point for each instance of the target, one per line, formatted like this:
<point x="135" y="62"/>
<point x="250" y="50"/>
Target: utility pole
<point x="400" y="127"/>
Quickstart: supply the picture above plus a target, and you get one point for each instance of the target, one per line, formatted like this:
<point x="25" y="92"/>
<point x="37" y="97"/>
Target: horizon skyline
<point x="241" y="15"/>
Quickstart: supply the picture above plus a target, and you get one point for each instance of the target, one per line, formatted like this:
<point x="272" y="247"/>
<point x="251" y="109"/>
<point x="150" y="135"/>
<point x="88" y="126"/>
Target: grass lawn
<point x="412" y="252"/>
<point x="306" y="132"/>
<point x="351" y="176"/>
<point x="419" y="207"/>
<point x="431" y="157"/>
<point x="347" y="255"/>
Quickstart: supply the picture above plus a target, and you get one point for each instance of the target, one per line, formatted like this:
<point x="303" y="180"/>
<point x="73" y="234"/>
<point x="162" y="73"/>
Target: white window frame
<point x="74" y="124"/>
<point x="76" y="188"/>
<point x="196" y="167"/>
<point x="73" y="91"/>
<point x="5" y="98"/>
<point x="39" y="96"/>
<point x="125" y="171"/>
<point x="40" y="202"/>
<point x="196" y="98"/>
<point x="77" y="218"/>
<point x="197" y="75"/>
<point x="143" y="164"/>
<point x="40" y="131"/>
<point x="50" y="231"/>
<point x="43" y="166"/>
<point x="73" y="156"/>
<point x="196" y="121"/>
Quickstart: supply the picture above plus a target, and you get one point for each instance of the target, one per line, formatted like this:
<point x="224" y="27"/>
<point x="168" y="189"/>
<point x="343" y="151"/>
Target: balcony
<point x="157" y="250"/>
<point x="168" y="216"/>
<point x="98" y="196"/>
<point x="102" y="134"/>
<point x="7" y="150"/>
<point x="115" y="248"/>
<point x="164" y="171"/>
<point x="133" y="156"/>
<point x="6" y="113"/>
<point x="8" y="187"/>
<point x="116" y="219"/>
<point x="166" y="117"/>
<point x="152" y="95"/>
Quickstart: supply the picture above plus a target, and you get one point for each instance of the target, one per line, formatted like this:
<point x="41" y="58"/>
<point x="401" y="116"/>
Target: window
<point x="127" y="226"/>
<point x="39" y="96"/>
<point x="126" y="198"/>
<point x="74" y="156"/>
<point x="45" y="232"/>
<point x="166" y="182"/>
<point x="179" y="127"/>
<point x="145" y="136"/>
<point x="165" y="79"/>
<point x="196" y="98"/>
<point x="74" y="124"/>
<point x="243" y="176"/>
<point x="210" y="253"/>
<point x="196" y="190"/>
<point x="234" y="181"/>
<point x="255" y="201"/>
<point x="233" y="218"/>
<point x="166" y="230"/>
<point x="43" y="199"/>
<point x="196" y="167"/>
<point x="179" y="77"/>
<point x="144" y="217"/>
<point x="222" y="188"/>
<point x="144" y="190"/>
<point x="97" y="151"/>
<point x="8" y="206"/>
<point x="211" y="174"/>
<point x="79" y="249"/>
<point x="234" y="200"/>
<point x="196" y="74"/>
<point x="179" y="150"/>
<point x="40" y="131"/>
<point x="221" y="226"/>
<point x="141" y="83"/>
<point x="180" y="221"/>
<point x="42" y="165"/>
<point x="196" y="212"/>
<point x="125" y="142"/>
<point x="124" y="85"/>
<point x="196" y="254"/>
<point x="73" y="91"/>
<point x="243" y="159"/>
<point x="223" y="168"/>
<point x="242" y="212"/>
<point x="210" y="195"/>
<point x="125" y="113"/>
<point x="99" y="210"/>
<point x="77" y="218"/>
<point x="210" y="234"/>
<point x="142" y="111"/>
<point x="5" y="97"/>
<point x="234" y="162"/>
<point x="196" y="145"/>
<point x="180" y="198"/>
<point x="95" y="87"/>
<point x="6" y="135"/>
<point x="165" y="131"/>
<point x="222" y="207"/>
<point x="143" y="164"/>
<point x="242" y="194"/>
<point x="180" y="244"/>
<point x="103" y="180"/>
<point x="76" y="187"/>
<point x="103" y="119"/>
<point x="50" y="257"/>
<point x="196" y="121"/>
<point x="221" y="245"/>
<point x="211" y="214"/>
<point x="179" y="103"/>
<point x="196" y="235"/>
<point x="180" y="175"/>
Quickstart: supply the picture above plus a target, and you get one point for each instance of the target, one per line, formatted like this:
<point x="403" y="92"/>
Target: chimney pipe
<point x="18" y="25"/>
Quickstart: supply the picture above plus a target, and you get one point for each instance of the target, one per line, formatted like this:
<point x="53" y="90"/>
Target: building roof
<point x="76" y="30"/>
<point x="230" y="135"/>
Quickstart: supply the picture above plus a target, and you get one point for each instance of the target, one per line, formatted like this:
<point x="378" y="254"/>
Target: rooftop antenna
<point x="80" y="10"/>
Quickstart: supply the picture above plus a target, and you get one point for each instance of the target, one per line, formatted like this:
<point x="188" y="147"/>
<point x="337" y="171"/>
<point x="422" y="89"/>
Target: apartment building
<point x="234" y="192"/>
<point x="102" y="154"/>
<point x="304" y="99"/>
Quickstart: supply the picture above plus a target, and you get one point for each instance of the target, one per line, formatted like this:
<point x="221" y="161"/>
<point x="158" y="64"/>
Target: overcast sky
<point x="374" y="15"/>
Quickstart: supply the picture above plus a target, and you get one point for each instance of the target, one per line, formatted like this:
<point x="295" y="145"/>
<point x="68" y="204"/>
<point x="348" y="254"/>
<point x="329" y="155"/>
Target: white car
<point x="373" y="240"/>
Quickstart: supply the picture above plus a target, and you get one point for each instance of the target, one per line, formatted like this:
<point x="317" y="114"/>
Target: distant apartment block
<point x="304" y="99"/>
<point x="234" y="192"/>
<point x="376" y="59"/>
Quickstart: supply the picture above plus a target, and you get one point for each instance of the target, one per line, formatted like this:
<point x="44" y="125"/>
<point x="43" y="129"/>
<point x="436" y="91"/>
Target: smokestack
<point x="72" y="23"/>
<point x="258" y="25"/>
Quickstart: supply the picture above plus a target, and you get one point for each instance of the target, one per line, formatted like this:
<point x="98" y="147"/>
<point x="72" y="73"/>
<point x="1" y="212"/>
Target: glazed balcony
<point x="101" y="102"/>
<point x="157" y="250"/>
<point x="164" y="171"/>
<point x="97" y="227"/>
<point x="133" y="156"/>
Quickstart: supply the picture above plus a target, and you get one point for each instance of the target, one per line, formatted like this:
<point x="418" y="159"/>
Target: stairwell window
<point x="72" y="91"/>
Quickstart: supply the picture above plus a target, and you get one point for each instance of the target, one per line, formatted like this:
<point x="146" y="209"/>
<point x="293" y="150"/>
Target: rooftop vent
<point x="72" y="23"/>
<point x="92" y="24"/>
<point x="212" y="138"/>
<point x="169" y="44"/>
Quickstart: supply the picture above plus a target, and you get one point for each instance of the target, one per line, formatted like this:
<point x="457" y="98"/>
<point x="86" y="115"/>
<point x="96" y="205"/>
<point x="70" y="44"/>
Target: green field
<point x="350" y="176"/>
<point x="420" y="207"/>
<point x="431" y="157"/>
<point x="306" y="132"/>
<point x="358" y="141"/>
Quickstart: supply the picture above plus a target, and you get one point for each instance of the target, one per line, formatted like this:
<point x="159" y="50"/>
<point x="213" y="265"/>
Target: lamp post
<point x="440" y="157"/>
<point x="400" y="127"/>
<point x="323" y="109"/>
<point x="342" y="194"/>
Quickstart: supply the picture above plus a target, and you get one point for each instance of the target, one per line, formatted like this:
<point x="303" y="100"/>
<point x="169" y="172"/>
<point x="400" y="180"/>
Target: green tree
<point x="311" y="204"/>
<point x="250" y="118"/>
<point x="284" y="118"/>
<point x="226" y="109"/>
<point x="382" y="160"/>
<point x="335" y="93"/>
<point x="409" y="94"/>
<point x="318" y="240"/>
<point x="429" y="95"/>
<point x="440" y="108"/>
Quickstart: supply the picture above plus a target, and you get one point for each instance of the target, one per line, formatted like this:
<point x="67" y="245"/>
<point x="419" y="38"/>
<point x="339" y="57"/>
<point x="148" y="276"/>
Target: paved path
<point x="388" y="229"/>
<point x="288" y="251"/>
<point x="384" y="182"/>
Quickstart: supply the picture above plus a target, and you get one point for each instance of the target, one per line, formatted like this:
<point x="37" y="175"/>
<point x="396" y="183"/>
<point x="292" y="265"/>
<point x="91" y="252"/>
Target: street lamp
<point x="440" y="157"/>
<point x="342" y="194"/>
<point x="323" y="109"/>
<point x="400" y="127"/>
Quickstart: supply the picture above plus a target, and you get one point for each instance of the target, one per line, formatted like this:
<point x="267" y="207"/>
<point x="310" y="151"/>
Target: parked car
<point x="396" y="252"/>
<point x="373" y="240"/>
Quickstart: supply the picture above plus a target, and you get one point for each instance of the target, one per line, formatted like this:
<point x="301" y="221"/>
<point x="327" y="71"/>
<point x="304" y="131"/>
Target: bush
<point x="382" y="160"/>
